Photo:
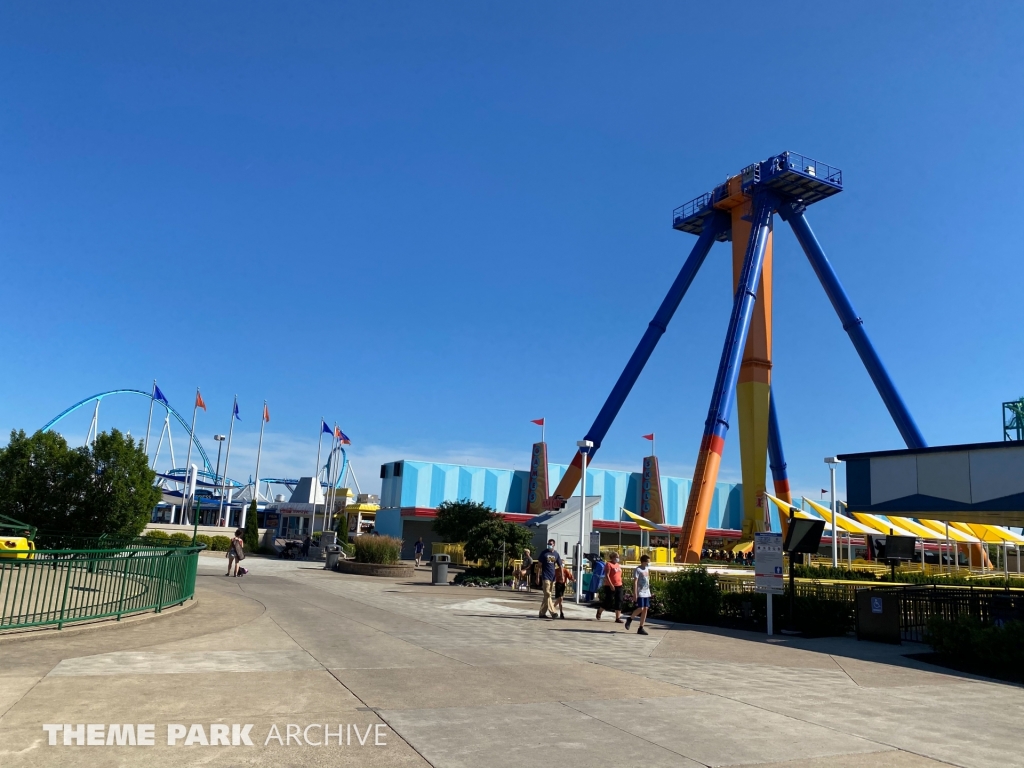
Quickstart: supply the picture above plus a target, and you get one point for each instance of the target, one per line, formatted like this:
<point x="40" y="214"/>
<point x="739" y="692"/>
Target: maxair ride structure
<point x="742" y="211"/>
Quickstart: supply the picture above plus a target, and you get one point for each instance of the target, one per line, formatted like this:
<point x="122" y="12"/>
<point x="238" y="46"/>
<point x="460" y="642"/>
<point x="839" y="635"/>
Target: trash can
<point x="333" y="554"/>
<point x="439" y="570"/>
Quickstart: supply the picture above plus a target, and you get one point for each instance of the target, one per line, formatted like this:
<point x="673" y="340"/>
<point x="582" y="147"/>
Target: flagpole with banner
<point x="149" y="423"/>
<point x="651" y="438"/>
<point x="221" y="521"/>
<point x="188" y="460"/>
<point x="316" y="469"/>
<point x="259" y="451"/>
<point x="540" y="423"/>
<point x="329" y="498"/>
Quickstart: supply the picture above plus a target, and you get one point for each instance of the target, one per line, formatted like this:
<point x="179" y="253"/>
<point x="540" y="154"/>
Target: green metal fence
<point x="61" y="586"/>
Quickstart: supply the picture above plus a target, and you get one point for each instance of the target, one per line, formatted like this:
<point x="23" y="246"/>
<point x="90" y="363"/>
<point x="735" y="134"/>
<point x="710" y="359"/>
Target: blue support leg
<point x="793" y="213"/>
<point x="777" y="460"/>
<point x="655" y="329"/>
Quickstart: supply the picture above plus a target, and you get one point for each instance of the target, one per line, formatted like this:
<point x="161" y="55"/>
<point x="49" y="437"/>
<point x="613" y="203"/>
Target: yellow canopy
<point x="880" y="525"/>
<point x="643" y="522"/>
<point x="845" y="523"/>
<point x="954" y="533"/>
<point x="992" y="534"/>
<point x="916" y="528"/>
<point x="802" y="514"/>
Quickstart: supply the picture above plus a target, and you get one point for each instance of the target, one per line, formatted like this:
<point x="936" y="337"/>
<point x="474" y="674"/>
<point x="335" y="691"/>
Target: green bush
<point x="966" y="644"/>
<point x="157" y="535"/>
<point x="251" y="537"/>
<point x="348" y="548"/>
<point x="828" y="572"/>
<point x="204" y="539"/>
<point x="384" y="550"/>
<point x="693" y="597"/>
<point x="180" y="539"/>
<point x="220" y="543"/>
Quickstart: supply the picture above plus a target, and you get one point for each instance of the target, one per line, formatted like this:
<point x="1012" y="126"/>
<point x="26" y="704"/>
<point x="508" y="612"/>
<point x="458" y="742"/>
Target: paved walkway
<point x="458" y="677"/>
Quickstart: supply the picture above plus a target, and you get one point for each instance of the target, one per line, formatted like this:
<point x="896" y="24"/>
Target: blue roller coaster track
<point x="206" y="475"/>
<point x="97" y="398"/>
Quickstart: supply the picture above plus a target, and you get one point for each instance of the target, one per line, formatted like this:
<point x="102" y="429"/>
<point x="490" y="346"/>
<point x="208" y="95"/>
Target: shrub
<point x="204" y="539"/>
<point x="348" y="548"/>
<point x="157" y="535"/>
<point x="384" y="550"/>
<point x="180" y="539"/>
<point x="251" y="537"/>
<point x="692" y="596"/>
<point x="220" y="543"/>
<point x="967" y="644"/>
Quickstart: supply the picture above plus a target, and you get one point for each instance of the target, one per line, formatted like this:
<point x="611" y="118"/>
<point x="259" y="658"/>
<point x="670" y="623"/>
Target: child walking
<point x="641" y="593"/>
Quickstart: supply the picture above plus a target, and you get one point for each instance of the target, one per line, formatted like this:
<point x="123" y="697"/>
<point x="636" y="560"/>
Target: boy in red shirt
<point x="612" y="588"/>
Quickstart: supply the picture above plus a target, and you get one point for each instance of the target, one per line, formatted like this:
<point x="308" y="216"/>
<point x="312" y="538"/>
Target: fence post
<point x="124" y="582"/>
<point x="64" y="598"/>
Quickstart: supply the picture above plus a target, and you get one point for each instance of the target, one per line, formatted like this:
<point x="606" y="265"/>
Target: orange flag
<point x="266" y="413"/>
<point x="199" y="401"/>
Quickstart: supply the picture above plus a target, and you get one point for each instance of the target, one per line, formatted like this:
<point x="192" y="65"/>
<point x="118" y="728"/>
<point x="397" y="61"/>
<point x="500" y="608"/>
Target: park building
<point x="411" y="491"/>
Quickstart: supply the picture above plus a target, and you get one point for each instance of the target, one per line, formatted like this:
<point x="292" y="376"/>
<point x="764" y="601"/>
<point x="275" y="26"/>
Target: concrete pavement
<point x="453" y="677"/>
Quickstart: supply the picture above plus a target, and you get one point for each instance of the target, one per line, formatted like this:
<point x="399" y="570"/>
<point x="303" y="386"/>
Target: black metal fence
<point x="919" y="604"/>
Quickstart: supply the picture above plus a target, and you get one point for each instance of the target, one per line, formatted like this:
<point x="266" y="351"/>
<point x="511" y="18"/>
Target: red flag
<point x="538" y="422"/>
<point x="648" y="437"/>
<point x="266" y="413"/>
<point x="199" y="401"/>
<point x="337" y="432"/>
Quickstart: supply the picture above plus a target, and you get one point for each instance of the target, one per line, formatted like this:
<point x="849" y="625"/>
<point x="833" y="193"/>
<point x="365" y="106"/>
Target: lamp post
<point x="584" y="446"/>
<point x="833" y="462"/>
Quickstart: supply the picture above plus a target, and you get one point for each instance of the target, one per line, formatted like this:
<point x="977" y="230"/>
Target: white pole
<point x="259" y="452"/>
<point x="316" y="471"/>
<point x="188" y="459"/>
<point x="585" y="446"/>
<point x="227" y="460"/>
<point x="543" y="423"/>
<point x="170" y="440"/>
<point x="149" y="423"/>
<point x="835" y="525"/>
<point x="947" y="547"/>
<point x="90" y="438"/>
<point x="160" y="442"/>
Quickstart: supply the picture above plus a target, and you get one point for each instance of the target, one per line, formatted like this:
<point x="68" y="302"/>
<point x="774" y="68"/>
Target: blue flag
<point x="235" y="414"/>
<point x="325" y="428"/>
<point x="158" y="395"/>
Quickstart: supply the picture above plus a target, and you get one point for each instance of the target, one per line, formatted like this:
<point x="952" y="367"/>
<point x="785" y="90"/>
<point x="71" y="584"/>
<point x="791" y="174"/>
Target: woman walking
<point x="236" y="552"/>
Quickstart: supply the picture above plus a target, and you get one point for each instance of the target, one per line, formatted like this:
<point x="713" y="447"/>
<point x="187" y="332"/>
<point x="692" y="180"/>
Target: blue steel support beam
<point x="716" y="427"/>
<point x="655" y="329"/>
<point x="713" y="227"/>
<point x="776" y="457"/>
<point x="793" y="213"/>
<point x="717" y="423"/>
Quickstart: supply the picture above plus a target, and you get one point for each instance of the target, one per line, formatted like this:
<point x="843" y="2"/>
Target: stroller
<point x="291" y="550"/>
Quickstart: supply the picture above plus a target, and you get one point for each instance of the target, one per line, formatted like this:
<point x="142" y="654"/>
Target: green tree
<point x="455" y="519"/>
<point x="106" y="488"/>
<point x="252" y="529"/>
<point x="486" y="540"/>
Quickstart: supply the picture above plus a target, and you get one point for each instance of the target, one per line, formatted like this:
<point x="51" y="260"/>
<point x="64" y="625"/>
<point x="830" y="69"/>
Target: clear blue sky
<point x="433" y="222"/>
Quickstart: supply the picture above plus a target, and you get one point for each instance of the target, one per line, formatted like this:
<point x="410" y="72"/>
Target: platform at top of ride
<point x="789" y="175"/>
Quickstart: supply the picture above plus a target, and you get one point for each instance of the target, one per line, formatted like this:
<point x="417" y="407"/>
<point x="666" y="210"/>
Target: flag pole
<point x="227" y="459"/>
<point x="543" y="424"/>
<point x="188" y="459"/>
<point x="149" y="424"/>
<point x="259" y="451"/>
<point x="316" y="471"/>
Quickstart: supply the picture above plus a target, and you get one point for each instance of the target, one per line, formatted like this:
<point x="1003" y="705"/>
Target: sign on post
<point x="768" y="567"/>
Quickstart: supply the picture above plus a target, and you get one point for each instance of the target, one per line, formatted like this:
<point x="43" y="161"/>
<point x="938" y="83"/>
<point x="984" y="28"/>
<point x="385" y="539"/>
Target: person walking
<point x="418" y="551"/>
<point x="612" y="588"/>
<point x="641" y="594"/>
<point x="563" y="576"/>
<point x="597" y="568"/>
<point x="306" y="542"/>
<point x="524" y="571"/>
<point x="236" y="552"/>
<point x="550" y="561"/>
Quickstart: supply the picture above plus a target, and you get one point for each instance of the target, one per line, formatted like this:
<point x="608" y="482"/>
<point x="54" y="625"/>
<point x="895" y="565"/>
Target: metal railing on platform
<point x="60" y="586"/>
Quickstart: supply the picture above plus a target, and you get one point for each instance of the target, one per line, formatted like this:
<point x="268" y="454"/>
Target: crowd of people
<point x="606" y="586"/>
<point x="725" y="556"/>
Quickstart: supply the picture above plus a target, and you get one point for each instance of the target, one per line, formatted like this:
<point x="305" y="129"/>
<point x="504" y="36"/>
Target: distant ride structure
<point x="741" y="211"/>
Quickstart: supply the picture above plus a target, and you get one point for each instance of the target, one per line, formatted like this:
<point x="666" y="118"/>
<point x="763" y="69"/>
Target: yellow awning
<point x="845" y="523"/>
<point x="880" y="525"/>
<point x="802" y="514"/>
<point x="954" y="534"/>
<point x="991" y="534"/>
<point x="643" y="522"/>
<point x="916" y="528"/>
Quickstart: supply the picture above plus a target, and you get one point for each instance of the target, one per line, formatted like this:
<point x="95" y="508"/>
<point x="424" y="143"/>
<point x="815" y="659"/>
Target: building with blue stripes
<point x="412" y="490"/>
